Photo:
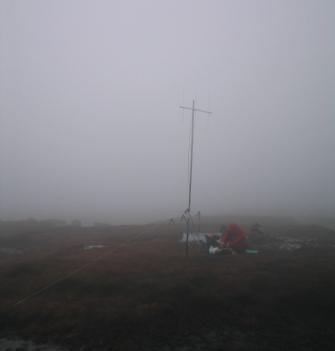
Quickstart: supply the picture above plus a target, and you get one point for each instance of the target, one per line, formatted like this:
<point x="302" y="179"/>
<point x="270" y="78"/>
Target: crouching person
<point x="234" y="238"/>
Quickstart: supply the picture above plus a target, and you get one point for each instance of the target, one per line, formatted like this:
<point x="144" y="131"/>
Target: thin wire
<point x="39" y="291"/>
<point x="76" y="271"/>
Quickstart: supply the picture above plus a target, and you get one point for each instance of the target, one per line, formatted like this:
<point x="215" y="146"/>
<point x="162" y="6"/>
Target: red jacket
<point x="234" y="237"/>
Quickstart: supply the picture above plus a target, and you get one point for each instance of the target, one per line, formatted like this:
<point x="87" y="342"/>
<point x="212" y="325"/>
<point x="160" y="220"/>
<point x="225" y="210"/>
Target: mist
<point x="90" y="124"/>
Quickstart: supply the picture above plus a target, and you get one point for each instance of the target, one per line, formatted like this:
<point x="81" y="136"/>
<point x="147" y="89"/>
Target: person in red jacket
<point x="234" y="238"/>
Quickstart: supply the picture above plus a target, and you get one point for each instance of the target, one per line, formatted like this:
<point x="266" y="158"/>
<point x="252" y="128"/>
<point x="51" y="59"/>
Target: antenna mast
<point x="188" y="210"/>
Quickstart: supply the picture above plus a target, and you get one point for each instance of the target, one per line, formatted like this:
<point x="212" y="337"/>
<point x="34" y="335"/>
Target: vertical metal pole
<point x="190" y="182"/>
<point x="199" y="221"/>
<point x="188" y="210"/>
<point x="187" y="234"/>
<point x="191" y="164"/>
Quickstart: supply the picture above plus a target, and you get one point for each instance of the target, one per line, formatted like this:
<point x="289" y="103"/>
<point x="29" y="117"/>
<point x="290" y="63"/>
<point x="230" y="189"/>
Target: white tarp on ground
<point x="91" y="247"/>
<point x="197" y="237"/>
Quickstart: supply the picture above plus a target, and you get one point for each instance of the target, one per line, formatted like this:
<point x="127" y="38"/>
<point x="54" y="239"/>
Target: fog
<point x="89" y="108"/>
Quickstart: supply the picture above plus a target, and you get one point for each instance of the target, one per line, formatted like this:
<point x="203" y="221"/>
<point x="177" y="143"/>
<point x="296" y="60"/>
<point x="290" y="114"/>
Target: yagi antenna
<point x="187" y="212"/>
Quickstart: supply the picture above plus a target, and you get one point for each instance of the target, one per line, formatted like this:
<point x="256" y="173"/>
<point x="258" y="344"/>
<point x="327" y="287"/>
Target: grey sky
<point x="89" y="96"/>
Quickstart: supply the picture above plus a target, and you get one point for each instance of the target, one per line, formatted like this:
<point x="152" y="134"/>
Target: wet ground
<point x="135" y="290"/>
<point x="26" y="345"/>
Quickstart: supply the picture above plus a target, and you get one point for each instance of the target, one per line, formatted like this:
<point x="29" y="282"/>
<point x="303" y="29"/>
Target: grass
<point x="146" y="296"/>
